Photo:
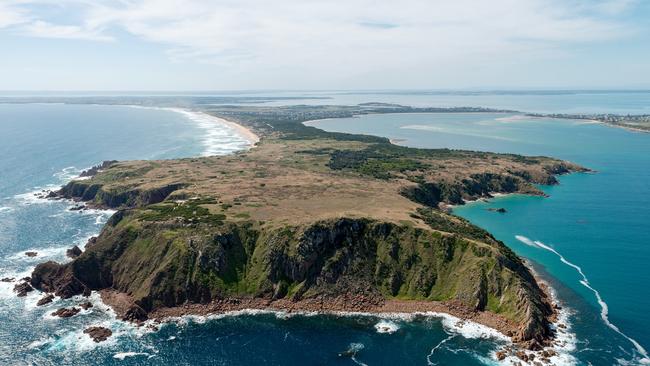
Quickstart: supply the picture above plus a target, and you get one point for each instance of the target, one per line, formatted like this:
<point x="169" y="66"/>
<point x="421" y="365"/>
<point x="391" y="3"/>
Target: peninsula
<point x="308" y="220"/>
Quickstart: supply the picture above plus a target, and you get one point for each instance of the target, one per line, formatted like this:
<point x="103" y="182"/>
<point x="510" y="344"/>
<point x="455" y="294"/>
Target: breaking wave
<point x="604" y="309"/>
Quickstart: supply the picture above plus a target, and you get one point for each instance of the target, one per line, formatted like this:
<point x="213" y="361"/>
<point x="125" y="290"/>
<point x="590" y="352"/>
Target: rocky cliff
<point x="166" y="264"/>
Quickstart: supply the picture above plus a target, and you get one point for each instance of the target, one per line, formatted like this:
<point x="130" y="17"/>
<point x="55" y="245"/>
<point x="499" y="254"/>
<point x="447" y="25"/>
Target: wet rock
<point x="135" y="314"/>
<point x="8" y="279"/>
<point x="45" y="300"/>
<point x="98" y="334"/>
<point x="499" y="210"/>
<point x="31" y="254"/>
<point x="522" y="356"/>
<point x="86" y="305"/>
<point x="91" y="241"/>
<point x="73" y="252"/>
<point x="26" y="279"/>
<point x="548" y="353"/>
<point x="23" y="288"/>
<point x="77" y="208"/>
<point x="66" y="312"/>
<point x="501" y="355"/>
<point x="534" y="345"/>
<point x="152" y="327"/>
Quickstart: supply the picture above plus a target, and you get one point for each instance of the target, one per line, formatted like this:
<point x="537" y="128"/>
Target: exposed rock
<point x="53" y="277"/>
<point x="501" y="355"/>
<point x="66" y="312"/>
<point x="98" y="334"/>
<point x="499" y="210"/>
<point x="522" y="355"/>
<point x="23" y="288"/>
<point x="7" y="279"/>
<point x="73" y="252"/>
<point x="86" y="305"/>
<point x="91" y="241"/>
<point x="135" y="314"/>
<point x="77" y="208"/>
<point x="45" y="300"/>
<point x="31" y="254"/>
<point x="97" y="168"/>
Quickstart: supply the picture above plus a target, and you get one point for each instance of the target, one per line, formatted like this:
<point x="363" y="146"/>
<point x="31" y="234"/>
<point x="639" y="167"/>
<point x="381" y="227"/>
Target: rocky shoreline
<point x="123" y="305"/>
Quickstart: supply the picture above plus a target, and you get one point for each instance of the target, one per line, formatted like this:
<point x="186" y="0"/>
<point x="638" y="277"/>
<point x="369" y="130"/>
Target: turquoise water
<point x="43" y="146"/>
<point x="598" y="222"/>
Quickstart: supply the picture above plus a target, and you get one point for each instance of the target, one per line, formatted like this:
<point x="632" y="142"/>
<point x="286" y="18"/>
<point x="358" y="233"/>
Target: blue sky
<point x="315" y="44"/>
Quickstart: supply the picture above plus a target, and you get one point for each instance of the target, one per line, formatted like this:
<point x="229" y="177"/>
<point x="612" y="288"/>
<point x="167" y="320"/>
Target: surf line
<point x="431" y="363"/>
<point x="604" y="309"/>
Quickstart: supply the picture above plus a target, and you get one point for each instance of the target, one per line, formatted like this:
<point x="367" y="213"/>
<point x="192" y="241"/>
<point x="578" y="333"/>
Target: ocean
<point x="589" y="239"/>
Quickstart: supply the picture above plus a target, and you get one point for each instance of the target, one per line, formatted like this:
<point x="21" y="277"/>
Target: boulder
<point x="66" y="312"/>
<point x="31" y="254"/>
<point x="73" y="252"/>
<point x="45" y="300"/>
<point x="135" y="314"/>
<point x="23" y="288"/>
<point x="98" y="334"/>
<point x="501" y="355"/>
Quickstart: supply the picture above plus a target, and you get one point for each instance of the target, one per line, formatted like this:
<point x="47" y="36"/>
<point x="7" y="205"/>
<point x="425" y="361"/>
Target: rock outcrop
<point x="98" y="334"/>
<point x="73" y="252"/>
<point x="66" y="312"/>
<point x="22" y="289"/>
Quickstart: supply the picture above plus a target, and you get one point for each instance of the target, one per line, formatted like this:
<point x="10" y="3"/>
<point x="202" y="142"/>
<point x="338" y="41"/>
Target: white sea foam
<point x="122" y="355"/>
<point x="604" y="309"/>
<point x="387" y="327"/>
<point x="42" y="254"/>
<point x="437" y="346"/>
<point x="220" y="138"/>
<point x="6" y="209"/>
<point x="353" y="349"/>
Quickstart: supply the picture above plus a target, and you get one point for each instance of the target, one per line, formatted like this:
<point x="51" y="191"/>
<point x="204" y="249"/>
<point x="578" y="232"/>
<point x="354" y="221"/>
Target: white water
<point x="604" y="309"/>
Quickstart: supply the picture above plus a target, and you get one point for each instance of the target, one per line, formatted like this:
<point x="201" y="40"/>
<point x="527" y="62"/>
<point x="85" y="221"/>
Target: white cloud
<point x="345" y="39"/>
<point x="43" y="29"/>
<point x="11" y="15"/>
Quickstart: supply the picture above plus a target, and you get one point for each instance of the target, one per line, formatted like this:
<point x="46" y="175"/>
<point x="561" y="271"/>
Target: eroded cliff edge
<point x="323" y="222"/>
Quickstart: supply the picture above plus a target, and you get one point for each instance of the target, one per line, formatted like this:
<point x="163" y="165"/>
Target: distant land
<point x="636" y="122"/>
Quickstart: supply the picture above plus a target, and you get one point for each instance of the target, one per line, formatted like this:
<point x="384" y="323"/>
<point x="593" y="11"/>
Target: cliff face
<point x="168" y="264"/>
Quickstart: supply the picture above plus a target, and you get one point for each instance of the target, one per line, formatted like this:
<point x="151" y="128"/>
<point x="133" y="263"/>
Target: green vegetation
<point x="188" y="212"/>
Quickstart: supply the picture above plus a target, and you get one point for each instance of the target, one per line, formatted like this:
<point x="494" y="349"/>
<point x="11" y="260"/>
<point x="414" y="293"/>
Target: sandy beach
<point x="243" y="131"/>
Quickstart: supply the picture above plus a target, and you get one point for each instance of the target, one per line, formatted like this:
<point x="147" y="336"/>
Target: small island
<point x="308" y="220"/>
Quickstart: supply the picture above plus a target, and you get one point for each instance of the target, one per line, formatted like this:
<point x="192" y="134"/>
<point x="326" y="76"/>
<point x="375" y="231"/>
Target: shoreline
<point x="244" y="132"/>
<point x="494" y="324"/>
<point x="499" y="326"/>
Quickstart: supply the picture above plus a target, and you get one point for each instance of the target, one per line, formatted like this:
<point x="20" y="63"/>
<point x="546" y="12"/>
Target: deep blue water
<point x="598" y="222"/>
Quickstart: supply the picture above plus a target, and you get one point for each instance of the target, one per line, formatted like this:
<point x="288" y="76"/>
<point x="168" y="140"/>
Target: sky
<point x="200" y="45"/>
